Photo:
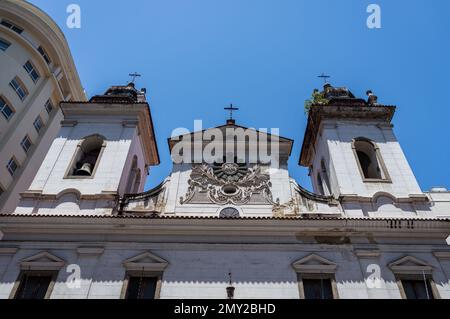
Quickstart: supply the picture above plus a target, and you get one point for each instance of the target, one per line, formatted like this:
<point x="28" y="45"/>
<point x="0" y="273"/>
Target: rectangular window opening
<point x="31" y="70"/>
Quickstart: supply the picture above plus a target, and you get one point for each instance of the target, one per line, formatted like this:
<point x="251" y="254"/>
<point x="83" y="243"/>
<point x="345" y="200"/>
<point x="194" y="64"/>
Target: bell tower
<point x="351" y="150"/>
<point x="103" y="151"/>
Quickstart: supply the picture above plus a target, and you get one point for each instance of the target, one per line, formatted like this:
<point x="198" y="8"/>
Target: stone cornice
<point x="157" y="226"/>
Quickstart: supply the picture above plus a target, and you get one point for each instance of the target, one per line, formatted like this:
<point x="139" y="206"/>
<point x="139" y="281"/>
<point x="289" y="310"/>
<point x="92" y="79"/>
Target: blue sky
<point x="197" y="56"/>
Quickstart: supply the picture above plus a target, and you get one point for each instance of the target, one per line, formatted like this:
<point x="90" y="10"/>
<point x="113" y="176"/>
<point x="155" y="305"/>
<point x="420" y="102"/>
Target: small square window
<point x="49" y="106"/>
<point x="12" y="26"/>
<point x="141" y="287"/>
<point x="38" y="124"/>
<point x="4" y="45"/>
<point x="6" y="110"/>
<point x="26" y="143"/>
<point x="19" y="88"/>
<point x="44" y="54"/>
<point x="31" y="70"/>
<point x="12" y="166"/>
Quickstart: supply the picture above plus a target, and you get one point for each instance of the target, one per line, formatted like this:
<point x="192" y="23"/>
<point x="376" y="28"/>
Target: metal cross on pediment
<point x="324" y="77"/>
<point x="134" y="76"/>
<point x="231" y="108"/>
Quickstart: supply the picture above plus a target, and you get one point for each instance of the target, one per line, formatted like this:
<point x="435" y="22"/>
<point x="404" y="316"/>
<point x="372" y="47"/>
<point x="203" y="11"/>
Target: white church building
<point x="229" y="227"/>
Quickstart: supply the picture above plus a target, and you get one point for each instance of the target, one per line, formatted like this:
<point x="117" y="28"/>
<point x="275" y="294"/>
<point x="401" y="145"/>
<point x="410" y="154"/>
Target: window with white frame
<point x="414" y="278"/>
<point x="316" y="277"/>
<point x="37" y="276"/>
<point x="38" y="125"/>
<point x="26" y="143"/>
<point x="49" y="106"/>
<point x="31" y="70"/>
<point x="12" y="26"/>
<point x="4" y="45"/>
<point x="19" y="88"/>
<point x="6" y="110"/>
<point x="143" y="277"/>
<point x="12" y="166"/>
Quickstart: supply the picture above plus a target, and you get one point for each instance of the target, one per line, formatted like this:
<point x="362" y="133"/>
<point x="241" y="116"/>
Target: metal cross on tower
<point x="134" y="76"/>
<point x="231" y="108"/>
<point x="324" y="77"/>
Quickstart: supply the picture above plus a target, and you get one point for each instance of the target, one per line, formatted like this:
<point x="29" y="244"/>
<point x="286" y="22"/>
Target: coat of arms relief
<point x="229" y="183"/>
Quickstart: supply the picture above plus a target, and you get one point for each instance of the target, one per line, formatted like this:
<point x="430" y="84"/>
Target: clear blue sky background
<point x="197" y="56"/>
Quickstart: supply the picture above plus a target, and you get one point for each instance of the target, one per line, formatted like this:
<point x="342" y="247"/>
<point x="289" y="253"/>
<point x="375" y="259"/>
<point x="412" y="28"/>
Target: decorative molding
<point x="314" y="264"/>
<point x="69" y="123"/>
<point x="42" y="261"/>
<point x="410" y="265"/>
<point x="90" y="251"/>
<point x="367" y="253"/>
<point x="146" y="262"/>
<point x="8" y="250"/>
<point x="442" y="255"/>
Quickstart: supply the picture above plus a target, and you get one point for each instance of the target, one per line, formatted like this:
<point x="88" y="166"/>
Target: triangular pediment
<point x="410" y="265"/>
<point x="226" y="129"/>
<point x="42" y="261"/>
<point x="146" y="261"/>
<point x="314" y="263"/>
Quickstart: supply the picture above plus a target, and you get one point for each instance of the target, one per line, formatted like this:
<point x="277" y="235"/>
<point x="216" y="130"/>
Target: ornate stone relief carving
<point x="228" y="183"/>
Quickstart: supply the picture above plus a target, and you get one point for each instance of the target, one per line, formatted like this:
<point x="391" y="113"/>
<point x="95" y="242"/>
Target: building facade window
<point x="31" y="70"/>
<point x="38" y="125"/>
<point x="26" y="143"/>
<point x="44" y="54"/>
<point x="417" y="289"/>
<point x="4" y="45"/>
<point x="87" y="157"/>
<point x="37" y="277"/>
<point x="141" y="286"/>
<point x="317" y="288"/>
<point x="35" y="285"/>
<point x="12" y="166"/>
<point x="19" y="88"/>
<point x="414" y="278"/>
<point x="143" y="276"/>
<point x="316" y="278"/>
<point x="369" y="160"/>
<point x="12" y="26"/>
<point x="6" y="110"/>
<point x="49" y="106"/>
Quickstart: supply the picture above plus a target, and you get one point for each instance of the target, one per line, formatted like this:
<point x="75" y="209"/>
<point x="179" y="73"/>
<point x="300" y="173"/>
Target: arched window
<point x="326" y="179"/>
<point x="87" y="156"/>
<point x="369" y="159"/>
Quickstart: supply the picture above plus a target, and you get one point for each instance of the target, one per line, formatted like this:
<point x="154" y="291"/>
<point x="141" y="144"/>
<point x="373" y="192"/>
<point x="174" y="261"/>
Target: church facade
<point x="233" y="224"/>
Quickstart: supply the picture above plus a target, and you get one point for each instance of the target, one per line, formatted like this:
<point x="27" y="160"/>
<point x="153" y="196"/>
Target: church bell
<point x="85" y="170"/>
